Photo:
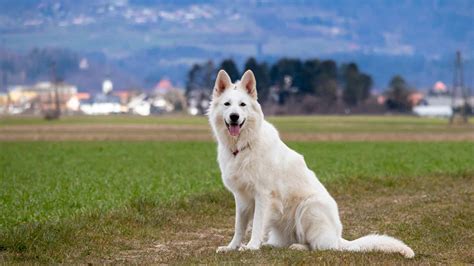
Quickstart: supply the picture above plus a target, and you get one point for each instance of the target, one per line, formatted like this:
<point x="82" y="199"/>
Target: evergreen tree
<point x="229" y="66"/>
<point x="191" y="82"/>
<point x="201" y="77"/>
<point x="262" y="76"/>
<point x="310" y="76"/>
<point x="356" y="85"/>
<point x="287" y="67"/>
<point x="397" y="94"/>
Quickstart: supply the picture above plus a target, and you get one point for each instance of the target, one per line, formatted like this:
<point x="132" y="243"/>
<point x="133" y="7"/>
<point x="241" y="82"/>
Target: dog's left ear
<point x="223" y="82"/>
<point x="249" y="83"/>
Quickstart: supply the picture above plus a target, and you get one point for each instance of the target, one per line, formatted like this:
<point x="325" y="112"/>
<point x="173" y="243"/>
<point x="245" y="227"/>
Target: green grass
<point x="164" y="202"/>
<point x="77" y="201"/>
<point x="43" y="180"/>
<point x="363" y="124"/>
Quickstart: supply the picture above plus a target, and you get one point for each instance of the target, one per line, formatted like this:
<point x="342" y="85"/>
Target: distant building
<point x="3" y="102"/>
<point x="40" y="97"/>
<point x="101" y="104"/>
<point x="439" y="88"/>
<point x="439" y="102"/>
<point x="198" y="101"/>
<point x="415" y="98"/>
<point x="139" y="105"/>
<point x="163" y="86"/>
<point x="434" y="106"/>
<point x="164" y="98"/>
<point x="107" y="86"/>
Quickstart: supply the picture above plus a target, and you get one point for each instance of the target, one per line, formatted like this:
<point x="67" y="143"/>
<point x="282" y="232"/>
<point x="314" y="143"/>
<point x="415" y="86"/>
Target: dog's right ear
<point x="223" y="82"/>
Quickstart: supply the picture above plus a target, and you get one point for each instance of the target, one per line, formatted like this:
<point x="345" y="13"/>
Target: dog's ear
<point x="249" y="83"/>
<point x="223" y="82"/>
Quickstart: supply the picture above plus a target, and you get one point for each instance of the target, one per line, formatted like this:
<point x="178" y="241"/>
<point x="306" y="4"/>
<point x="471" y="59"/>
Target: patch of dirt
<point x="104" y="132"/>
<point x="178" y="245"/>
<point x="131" y="132"/>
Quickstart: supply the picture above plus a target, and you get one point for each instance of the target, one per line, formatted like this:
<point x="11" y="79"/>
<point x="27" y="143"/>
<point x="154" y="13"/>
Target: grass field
<point x="163" y="201"/>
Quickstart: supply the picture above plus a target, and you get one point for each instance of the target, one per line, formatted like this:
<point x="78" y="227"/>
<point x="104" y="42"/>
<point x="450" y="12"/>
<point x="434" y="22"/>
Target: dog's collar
<point x="237" y="151"/>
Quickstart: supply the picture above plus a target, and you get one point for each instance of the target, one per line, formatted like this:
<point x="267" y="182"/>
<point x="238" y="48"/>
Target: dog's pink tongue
<point x="234" y="130"/>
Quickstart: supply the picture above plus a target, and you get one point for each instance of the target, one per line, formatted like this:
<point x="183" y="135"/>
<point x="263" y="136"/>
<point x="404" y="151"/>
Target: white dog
<point x="272" y="184"/>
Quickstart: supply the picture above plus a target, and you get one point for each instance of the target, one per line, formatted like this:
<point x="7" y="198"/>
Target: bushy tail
<point x="374" y="242"/>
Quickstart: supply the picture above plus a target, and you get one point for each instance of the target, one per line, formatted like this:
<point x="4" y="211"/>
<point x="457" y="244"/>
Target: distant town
<point x="289" y="86"/>
<point x="46" y="97"/>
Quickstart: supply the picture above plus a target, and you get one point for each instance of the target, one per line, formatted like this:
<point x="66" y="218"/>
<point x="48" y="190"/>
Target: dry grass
<point x="433" y="215"/>
<point x="293" y="128"/>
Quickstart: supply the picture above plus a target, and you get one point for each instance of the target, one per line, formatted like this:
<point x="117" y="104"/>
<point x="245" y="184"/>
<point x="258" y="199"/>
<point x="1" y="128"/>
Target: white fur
<point x="273" y="186"/>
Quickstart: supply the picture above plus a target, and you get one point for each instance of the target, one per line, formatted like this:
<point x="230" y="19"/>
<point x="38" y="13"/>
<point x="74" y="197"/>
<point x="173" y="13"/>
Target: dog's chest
<point x="239" y="173"/>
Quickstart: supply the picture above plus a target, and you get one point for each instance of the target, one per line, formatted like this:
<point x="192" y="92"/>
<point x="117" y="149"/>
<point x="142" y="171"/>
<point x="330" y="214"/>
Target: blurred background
<point x="147" y="57"/>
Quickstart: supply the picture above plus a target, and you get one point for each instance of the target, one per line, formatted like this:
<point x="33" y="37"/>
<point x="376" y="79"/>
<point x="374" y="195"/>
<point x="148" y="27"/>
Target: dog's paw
<point x="223" y="249"/>
<point x="300" y="247"/>
<point x="249" y="247"/>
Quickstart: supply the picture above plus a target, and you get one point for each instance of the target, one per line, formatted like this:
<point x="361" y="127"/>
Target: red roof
<point x="164" y="85"/>
<point x="83" y="95"/>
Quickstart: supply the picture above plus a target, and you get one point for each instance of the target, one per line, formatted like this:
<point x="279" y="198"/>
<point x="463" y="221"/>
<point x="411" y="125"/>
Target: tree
<point x="286" y="75"/>
<point x="287" y="67"/>
<point x="7" y="67"/>
<point x="327" y="82"/>
<point x="229" y="66"/>
<point x="39" y="61"/>
<point x="262" y="76"/>
<point x="310" y="76"/>
<point x="329" y="69"/>
<point x="356" y="85"/>
<point x="192" y="83"/>
<point x="320" y="79"/>
<point x="201" y="77"/>
<point x="397" y="95"/>
<point x="327" y="91"/>
<point x="199" y="86"/>
<point x="366" y="84"/>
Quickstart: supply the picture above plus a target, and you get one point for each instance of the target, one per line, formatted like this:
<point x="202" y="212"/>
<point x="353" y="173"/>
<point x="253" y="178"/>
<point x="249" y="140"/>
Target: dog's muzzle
<point x="234" y="127"/>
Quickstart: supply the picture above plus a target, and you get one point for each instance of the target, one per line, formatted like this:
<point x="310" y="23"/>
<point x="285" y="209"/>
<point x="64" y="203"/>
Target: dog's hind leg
<point x="276" y="239"/>
<point x="318" y="224"/>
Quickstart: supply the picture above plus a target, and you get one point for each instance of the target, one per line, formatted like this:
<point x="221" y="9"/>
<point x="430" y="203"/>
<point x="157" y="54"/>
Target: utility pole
<point x="459" y="91"/>
<point x="56" y="112"/>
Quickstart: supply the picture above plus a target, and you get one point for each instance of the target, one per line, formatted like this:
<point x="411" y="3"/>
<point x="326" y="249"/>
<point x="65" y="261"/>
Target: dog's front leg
<point x="243" y="211"/>
<point x="259" y="224"/>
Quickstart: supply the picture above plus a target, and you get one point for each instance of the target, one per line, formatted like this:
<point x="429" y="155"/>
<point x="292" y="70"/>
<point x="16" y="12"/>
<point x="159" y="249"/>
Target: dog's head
<point x="235" y="106"/>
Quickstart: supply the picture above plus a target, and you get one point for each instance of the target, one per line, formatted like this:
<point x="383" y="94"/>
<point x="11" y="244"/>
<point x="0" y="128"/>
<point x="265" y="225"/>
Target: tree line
<point x="312" y="81"/>
<point x="288" y="76"/>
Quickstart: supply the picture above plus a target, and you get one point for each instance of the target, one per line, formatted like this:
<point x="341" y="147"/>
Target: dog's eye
<point x="242" y="104"/>
<point x="227" y="103"/>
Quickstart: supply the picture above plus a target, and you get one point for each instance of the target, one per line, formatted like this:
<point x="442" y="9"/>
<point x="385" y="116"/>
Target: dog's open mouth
<point x="234" y="128"/>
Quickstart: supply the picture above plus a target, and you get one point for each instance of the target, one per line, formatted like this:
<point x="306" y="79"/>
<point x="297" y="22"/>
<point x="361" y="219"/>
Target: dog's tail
<point x="375" y="242"/>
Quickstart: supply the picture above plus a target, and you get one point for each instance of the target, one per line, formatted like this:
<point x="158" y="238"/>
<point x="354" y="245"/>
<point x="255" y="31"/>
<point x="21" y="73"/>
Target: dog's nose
<point x="234" y="117"/>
